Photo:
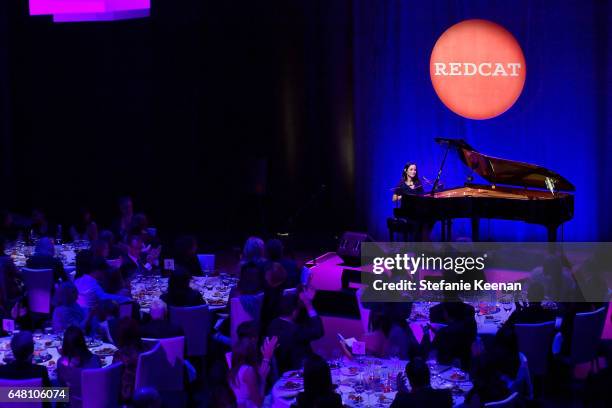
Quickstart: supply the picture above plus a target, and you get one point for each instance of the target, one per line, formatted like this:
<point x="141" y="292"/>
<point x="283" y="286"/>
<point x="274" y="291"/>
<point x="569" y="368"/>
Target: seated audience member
<point x="274" y="253"/>
<point x="130" y="346"/>
<point x="22" y="345"/>
<point x="250" y="282"/>
<point x="85" y="229"/>
<point x="273" y="292"/>
<point x="295" y="338"/>
<point x="8" y="229"/>
<point x="114" y="250"/>
<point x="10" y="285"/>
<point x="186" y="255"/>
<point x="44" y="258"/>
<point x="75" y="358"/>
<point x="67" y="311"/>
<point x="179" y="292"/>
<point x="132" y="263"/>
<point x="40" y="226"/>
<point x="488" y="383"/>
<point x="121" y="226"/>
<point x="89" y="288"/>
<point x="421" y="394"/>
<point x="103" y="321"/>
<point x="534" y="312"/>
<point x="159" y="327"/>
<point x="100" y="248"/>
<point x="253" y="254"/>
<point x="318" y="385"/>
<point x="555" y="278"/>
<point x="147" y="397"/>
<point x="247" y="376"/>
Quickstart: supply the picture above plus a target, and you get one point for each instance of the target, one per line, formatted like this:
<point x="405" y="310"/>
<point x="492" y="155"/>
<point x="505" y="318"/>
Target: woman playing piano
<point x="409" y="184"/>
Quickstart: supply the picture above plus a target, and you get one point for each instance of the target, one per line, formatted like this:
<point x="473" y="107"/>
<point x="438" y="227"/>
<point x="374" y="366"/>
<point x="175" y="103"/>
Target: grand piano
<point x="517" y="191"/>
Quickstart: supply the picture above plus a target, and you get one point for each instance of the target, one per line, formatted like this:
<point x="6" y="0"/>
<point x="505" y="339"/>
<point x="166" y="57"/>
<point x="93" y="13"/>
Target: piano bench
<point x="404" y="226"/>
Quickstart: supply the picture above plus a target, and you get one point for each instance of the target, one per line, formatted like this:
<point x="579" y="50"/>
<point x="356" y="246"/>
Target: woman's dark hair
<point x="74" y="347"/>
<point x="81" y="223"/>
<point x="417" y="372"/>
<point x="380" y="321"/>
<point x="129" y="334"/>
<point x="251" y="279"/>
<point x="415" y="180"/>
<point x="244" y="352"/>
<point x="317" y="376"/>
<point x="178" y="285"/>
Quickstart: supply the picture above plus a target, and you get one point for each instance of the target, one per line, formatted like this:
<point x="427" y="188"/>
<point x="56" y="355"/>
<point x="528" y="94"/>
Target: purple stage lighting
<point x="90" y="10"/>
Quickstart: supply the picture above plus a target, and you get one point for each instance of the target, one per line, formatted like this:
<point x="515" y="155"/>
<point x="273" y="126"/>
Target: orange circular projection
<point x="477" y="69"/>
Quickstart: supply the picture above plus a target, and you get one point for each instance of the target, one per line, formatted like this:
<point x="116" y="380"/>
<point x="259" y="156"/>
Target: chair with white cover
<point x="522" y="383"/>
<point x="195" y="322"/>
<point x="149" y="368"/>
<point x="173" y="365"/>
<point x="586" y="337"/>
<point x="238" y="314"/>
<point x="101" y="387"/>
<point x="39" y="285"/>
<point x="534" y="341"/>
<point x="31" y="382"/>
<point x="510" y="402"/>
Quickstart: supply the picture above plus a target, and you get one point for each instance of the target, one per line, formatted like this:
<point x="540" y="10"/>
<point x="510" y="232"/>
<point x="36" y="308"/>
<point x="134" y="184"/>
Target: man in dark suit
<point x="294" y="338"/>
<point x="158" y="327"/>
<point x="455" y="340"/>
<point x="44" y="258"/>
<point x="421" y="393"/>
<point x="22" y="368"/>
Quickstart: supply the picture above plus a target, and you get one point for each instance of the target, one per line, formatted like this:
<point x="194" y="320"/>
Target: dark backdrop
<point x="215" y="116"/>
<point x="229" y="116"/>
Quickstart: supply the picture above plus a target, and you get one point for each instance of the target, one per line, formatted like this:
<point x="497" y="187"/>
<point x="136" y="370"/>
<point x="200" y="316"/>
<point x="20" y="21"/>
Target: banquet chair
<point x="238" y="314"/>
<point x="534" y="341"/>
<point x="101" y="387"/>
<point x="195" y="322"/>
<point x="149" y="368"/>
<point x="171" y="369"/>
<point x="588" y="328"/>
<point x="510" y="402"/>
<point x="31" y="382"/>
<point x="228" y="359"/>
<point x="39" y="285"/>
<point x="522" y="383"/>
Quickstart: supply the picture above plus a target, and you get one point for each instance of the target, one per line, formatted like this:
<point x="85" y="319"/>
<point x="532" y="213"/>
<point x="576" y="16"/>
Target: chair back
<point x="149" y="368"/>
<point x="238" y="314"/>
<point x="228" y="359"/>
<point x="510" y="402"/>
<point x="586" y="337"/>
<point x="535" y="341"/>
<point x="29" y="383"/>
<point x="173" y="369"/>
<point x="39" y="285"/>
<point x="207" y="262"/>
<point x="101" y="387"/>
<point x="364" y="314"/>
<point x="195" y="322"/>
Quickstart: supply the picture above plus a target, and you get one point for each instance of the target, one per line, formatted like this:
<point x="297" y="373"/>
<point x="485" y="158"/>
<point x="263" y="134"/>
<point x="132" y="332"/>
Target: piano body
<point x="518" y="191"/>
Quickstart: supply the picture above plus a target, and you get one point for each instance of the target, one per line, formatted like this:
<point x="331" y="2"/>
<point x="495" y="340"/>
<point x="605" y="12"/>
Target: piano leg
<point x="445" y="230"/>
<point x="475" y="229"/>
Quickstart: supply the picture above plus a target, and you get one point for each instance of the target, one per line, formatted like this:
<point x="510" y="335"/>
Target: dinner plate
<point x="350" y="371"/>
<point x="455" y="375"/>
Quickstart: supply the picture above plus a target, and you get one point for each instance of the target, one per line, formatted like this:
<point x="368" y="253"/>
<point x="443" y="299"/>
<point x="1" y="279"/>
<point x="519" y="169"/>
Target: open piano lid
<point x="503" y="171"/>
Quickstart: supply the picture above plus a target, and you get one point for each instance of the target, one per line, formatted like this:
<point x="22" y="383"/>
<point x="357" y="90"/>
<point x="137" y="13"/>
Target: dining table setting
<point x="371" y="382"/>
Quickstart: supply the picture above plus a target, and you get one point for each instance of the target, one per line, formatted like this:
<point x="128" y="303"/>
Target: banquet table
<point x="369" y="381"/>
<point x="46" y="351"/>
<point x="66" y="253"/>
<point x="490" y="316"/>
<point x="214" y="289"/>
